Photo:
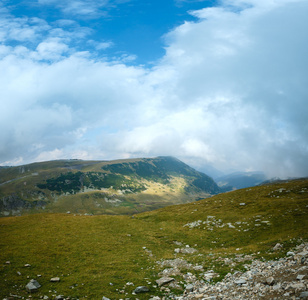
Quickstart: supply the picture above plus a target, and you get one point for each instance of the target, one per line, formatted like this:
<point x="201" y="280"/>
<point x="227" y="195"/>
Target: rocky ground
<point x="286" y="278"/>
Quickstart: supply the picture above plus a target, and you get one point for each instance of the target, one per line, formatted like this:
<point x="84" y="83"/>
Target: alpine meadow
<point x="113" y="242"/>
<point x="154" y="149"/>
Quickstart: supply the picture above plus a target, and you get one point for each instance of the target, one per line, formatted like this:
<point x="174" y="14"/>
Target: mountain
<point x="211" y="171"/>
<point x="240" y="180"/>
<point x="101" y="187"/>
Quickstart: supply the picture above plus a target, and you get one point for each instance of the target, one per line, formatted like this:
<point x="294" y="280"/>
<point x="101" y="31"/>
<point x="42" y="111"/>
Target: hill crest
<point x="123" y="186"/>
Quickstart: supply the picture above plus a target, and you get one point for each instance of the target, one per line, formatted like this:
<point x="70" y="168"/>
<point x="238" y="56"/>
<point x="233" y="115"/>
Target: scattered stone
<point x="193" y="224"/>
<point x="209" y="275"/>
<point x="105" y="298"/>
<point x="175" y="285"/>
<point x="188" y="250"/>
<point x="242" y="204"/>
<point x="27" y="265"/>
<point x="164" y="280"/>
<point x="198" y="268"/>
<point x="189" y="288"/>
<point x="18" y="273"/>
<point x="32" y="286"/>
<point x="285" y="278"/>
<point x="8" y="262"/>
<point x="55" y="279"/>
<point x="270" y="280"/>
<point x="178" y="243"/>
<point x="45" y="297"/>
<point x="59" y="297"/>
<point x="240" y="281"/>
<point x="141" y="289"/>
<point x="277" y="247"/>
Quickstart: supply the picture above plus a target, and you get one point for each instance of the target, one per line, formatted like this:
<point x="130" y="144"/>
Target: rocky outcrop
<point x="13" y="204"/>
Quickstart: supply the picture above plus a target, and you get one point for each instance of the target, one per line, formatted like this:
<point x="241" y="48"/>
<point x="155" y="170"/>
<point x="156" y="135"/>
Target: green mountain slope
<point x="96" y="256"/>
<point x="101" y="187"/>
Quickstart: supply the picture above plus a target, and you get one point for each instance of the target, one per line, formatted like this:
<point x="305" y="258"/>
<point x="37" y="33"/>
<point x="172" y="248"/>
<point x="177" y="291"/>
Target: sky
<point x="218" y="84"/>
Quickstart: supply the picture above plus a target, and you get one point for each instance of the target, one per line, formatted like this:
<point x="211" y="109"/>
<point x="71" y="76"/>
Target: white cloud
<point x="51" y="49"/>
<point x="231" y="91"/>
<point x="104" y="45"/>
<point x="80" y="8"/>
<point x="50" y="155"/>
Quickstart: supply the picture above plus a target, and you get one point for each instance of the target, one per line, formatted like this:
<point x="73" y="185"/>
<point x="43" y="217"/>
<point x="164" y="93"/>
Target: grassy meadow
<point x="103" y="255"/>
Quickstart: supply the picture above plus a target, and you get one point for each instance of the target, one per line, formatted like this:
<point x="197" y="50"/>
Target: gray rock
<point x="188" y="250"/>
<point x="189" y="288"/>
<point x="270" y="280"/>
<point x="290" y="253"/>
<point x="141" y="289"/>
<point x="59" y="297"/>
<point x="55" y="279"/>
<point x="164" y="280"/>
<point x="240" y="281"/>
<point x="277" y="247"/>
<point x="300" y="277"/>
<point x="105" y="298"/>
<point x="32" y="286"/>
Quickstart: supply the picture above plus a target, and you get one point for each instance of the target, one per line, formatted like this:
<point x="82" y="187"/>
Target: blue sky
<point x="128" y="27"/>
<point x="220" y="84"/>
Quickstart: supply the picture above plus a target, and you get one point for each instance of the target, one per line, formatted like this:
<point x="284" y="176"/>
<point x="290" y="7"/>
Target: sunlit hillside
<point x="101" y="187"/>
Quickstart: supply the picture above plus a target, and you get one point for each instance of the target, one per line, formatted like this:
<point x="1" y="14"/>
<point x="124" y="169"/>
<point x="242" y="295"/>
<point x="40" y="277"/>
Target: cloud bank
<point x="230" y="92"/>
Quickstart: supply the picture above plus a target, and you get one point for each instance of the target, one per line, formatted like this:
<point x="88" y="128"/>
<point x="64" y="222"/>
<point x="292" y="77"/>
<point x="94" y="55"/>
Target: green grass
<point x="90" y="252"/>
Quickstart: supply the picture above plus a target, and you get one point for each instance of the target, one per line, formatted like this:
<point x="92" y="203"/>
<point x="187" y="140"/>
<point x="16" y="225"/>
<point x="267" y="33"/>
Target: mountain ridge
<point x="122" y="186"/>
